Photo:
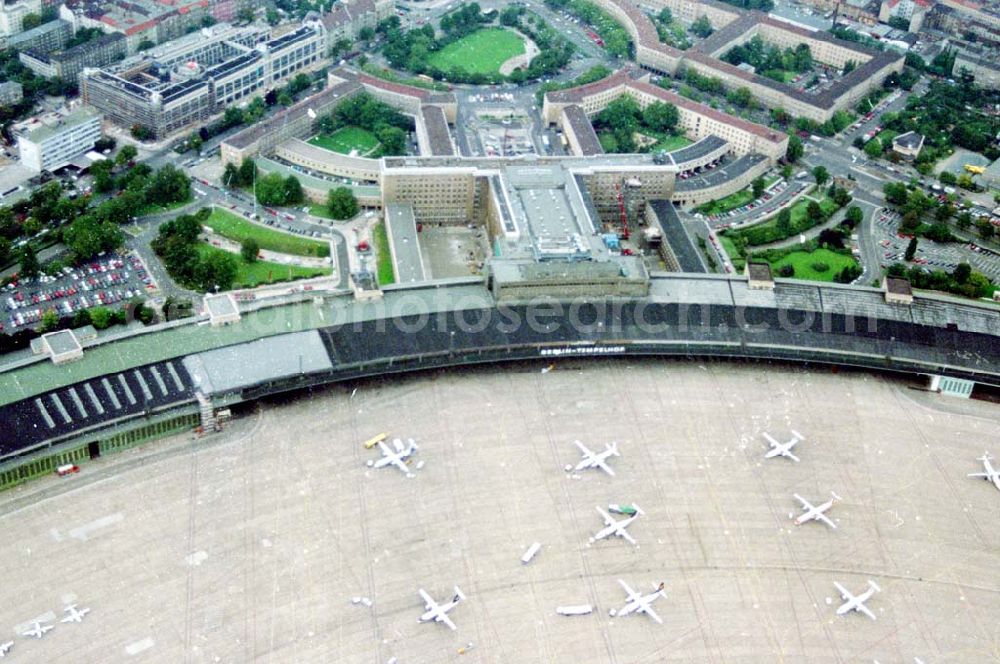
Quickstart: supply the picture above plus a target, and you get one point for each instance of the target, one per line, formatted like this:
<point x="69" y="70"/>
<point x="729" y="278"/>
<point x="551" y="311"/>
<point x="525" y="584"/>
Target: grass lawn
<point x="670" y="143"/>
<point x="481" y="52"/>
<point x="784" y="74"/>
<point x="154" y="208"/>
<point x="734" y="200"/>
<point x="235" y="228"/>
<point x="803" y="262"/>
<point x="249" y="275"/>
<point x="320" y="211"/>
<point x="734" y="256"/>
<point x="799" y="209"/>
<point x="386" y="275"/>
<point x="346" y="139"/>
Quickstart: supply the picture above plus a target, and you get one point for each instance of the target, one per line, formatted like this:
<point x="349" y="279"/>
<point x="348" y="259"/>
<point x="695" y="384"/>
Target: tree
<point x="284" y="98"/>
<point x="962" y="272"/>
<point x="947" y="177"/>
<point x="895" y="193"/>
<point x="141" y="133"/>
<point x="100" y="317"/>
<point x="248" y="173"/>
<point x="249" y="250"/>
<point x="784" y="222"/>
<point x="963" y="220"/>
<point x="293" y="191"/>
<point x="758" y="187"/>
<point x="795" y="150"/>
<point x="88" y="236"/>
<point x="216" y="271"/>
<point x="702" y="27"/>
<point x="821" y="175"/>
<point x="341" y="203"/>
<point x="366" y="34"/>
<point x="985" y="228"/>
<point x="911" y="250"/>
<point x="29" y="262"/>
<point x="125" y="155"/>
<point x="30" y="21"/>
<point x="271" y="189"/>
<point x="665" y="17"/>
<point x="814" y="212"/>
<point x="854" y="215"/>
<point x="873" y="148"/>
<point x="50" y="320"/>
<point x="660" y="116"/>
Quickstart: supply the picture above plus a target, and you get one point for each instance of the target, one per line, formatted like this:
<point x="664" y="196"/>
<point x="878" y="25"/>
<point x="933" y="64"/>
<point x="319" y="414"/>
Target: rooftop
<point x="583" y="130"/>
<point x="48" y="125"/>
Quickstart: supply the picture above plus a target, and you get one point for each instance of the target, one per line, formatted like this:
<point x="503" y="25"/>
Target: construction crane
<point x="621" y="211"/>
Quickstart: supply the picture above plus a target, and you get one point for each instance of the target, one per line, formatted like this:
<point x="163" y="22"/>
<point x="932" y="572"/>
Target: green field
<point x="481" y="52"/>
<point x="235" y="228"/>
<point x="257" y="273"/>
<point x="386" y="275"/>
<point x="347" y="139"/>
<point x="669" y="142"/>
<point x="803" y="262"/>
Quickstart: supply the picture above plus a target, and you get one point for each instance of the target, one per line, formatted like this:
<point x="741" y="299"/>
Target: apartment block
<point x="52" y="141"/>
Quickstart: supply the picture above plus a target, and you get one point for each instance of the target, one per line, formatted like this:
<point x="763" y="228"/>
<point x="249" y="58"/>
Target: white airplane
<point x="5" y="648"/>
<point x="396" y="458"/>
<point x="439" y="612"/>
<point x="639" y="603"/>
<point x="592" y="460"/>
<point x="38" y="630"/>
<point x="616" y="528"/>
<point x="992" y="474"/>
<point x="783" y="449"/>
<point x="75" y="615"/>
<point x="853" y="603"/>
<point x="812" y="512"/>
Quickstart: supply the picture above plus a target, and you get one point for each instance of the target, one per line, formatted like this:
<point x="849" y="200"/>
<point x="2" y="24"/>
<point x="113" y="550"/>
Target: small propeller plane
<point x="595" y="460"/>
<point x="38" y="630"/>
<point x="639" y="603"/>
<point x="74" y="614"/>
<point x="396" y="458"/>
<point x="783" y="449"/>
<point x="812" y="512"/>
<point x="5" y="648"/>
<point x="439" y="612"/>
<point x="616" y="528"/>
<point x="992" y="474"/>
<point x="857" y="603"/>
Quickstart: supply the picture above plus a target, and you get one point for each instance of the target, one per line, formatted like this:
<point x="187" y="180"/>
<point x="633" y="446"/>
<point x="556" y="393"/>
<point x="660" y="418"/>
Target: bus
<point x="375" y="440"/>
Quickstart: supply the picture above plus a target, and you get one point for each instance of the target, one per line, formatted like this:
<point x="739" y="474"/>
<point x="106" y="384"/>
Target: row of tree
<point x="770" y="60"/>
<point x="923" y="215"/>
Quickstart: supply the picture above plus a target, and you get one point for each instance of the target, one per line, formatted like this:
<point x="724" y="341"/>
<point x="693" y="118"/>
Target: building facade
<point x="68" y="64"/>
<point x="12" y="15"/>
<point x="50" y="143"/>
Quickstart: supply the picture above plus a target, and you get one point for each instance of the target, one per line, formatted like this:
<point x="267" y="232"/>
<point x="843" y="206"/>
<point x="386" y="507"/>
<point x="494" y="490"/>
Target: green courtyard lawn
<point x="386" y="274"/>
<point x="250" y="275"/>
<point x="668" y="142"/>
<point x="481" y="52"/>
<point x="799" y="210"/>
<point x="236" y="228"/>
<point x="347" y="139"/>
<point x="804" y="261"/>
<point x="320" y="211"/>
<point x="734" y="200"/>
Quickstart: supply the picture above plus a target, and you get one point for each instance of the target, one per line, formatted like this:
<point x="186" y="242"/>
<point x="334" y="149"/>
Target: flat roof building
<point x="68" y="64"/>
<point x="52" y="141"/>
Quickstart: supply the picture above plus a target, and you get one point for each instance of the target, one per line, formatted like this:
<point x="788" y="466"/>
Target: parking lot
<point x="106" y="281"/>
<point x="930" y="254"/>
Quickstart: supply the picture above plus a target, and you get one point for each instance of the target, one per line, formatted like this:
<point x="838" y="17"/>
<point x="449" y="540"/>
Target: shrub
<point x="820" y="266"/>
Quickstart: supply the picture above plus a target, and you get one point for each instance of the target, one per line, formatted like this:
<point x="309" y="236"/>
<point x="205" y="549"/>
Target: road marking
<point x="139" y="646"/>
<point x="81" y="533"/>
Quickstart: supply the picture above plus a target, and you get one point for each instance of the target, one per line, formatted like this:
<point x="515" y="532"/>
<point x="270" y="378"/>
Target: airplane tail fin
<point x="798" y="435"/>
<point x="458" y="594"/>
<point x="835" y="496"/>
<point x="613" y="448"/>
<point x="638" y="510"/>
<point x="874" y="585"/>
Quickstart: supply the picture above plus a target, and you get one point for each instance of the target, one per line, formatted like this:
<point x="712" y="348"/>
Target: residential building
<point x="12" y="15"/>
<point x="913" y="11"/>
<point x="985" y="71"/>
<point x="347" y="19"/>
<point x="187" y="81"/>
<point x="46" y="38"/>
<point x="68" y="64"/>
<point x="52" y="141"/>
<point x="908" y="144"/>
<point x="11" y="93"/>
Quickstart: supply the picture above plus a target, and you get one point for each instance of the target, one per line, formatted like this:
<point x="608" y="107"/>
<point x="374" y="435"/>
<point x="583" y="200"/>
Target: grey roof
<point x="402" y="231"/>
<point x="676" y="236"/>
<point x="719" y="175"/>
<point x="583" y="130"/>
<point x="436" y="125"/>
<point x="243" y="365"/>
<point x="898" y="285"/>
<point x="759" y="271"/>
<point x="910" y="139"/>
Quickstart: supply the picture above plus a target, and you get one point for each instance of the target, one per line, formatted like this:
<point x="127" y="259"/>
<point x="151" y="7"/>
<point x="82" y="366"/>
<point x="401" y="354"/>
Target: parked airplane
<point x="75" y="615"/>
<point x="592" y="460"/>
<point x="783" y="449"/>
<point x="853" y="603"/>
<point x="639" y="603"/>
<point x="816" y="513"/>
<point x="616" y="528"/>
<point x="37" y="630"/>
<point x="992" y="474"/>
<point x="396" y="458"/>
<point x="5" y="648"/>
<point x="439" y="612"/>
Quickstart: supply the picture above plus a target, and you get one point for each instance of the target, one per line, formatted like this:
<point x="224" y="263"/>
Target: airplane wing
<point x="978" y="475"/>
<point x="865" y="610"/>
<point x="606" y="468"/>
<point x="648" y="610"/>
<point x="398" y="463"/>
<point x="607" y="517"/>
<point x="843" y="591"/>
<point x="792" y="457"/>
<point x="447" y="621"/>
<point x="625" y="587"/>
<point x="583" y="448"/>
<point x="384" y="448"/>
<point x="771" y="440"/>
<point x="430" y="603"/>
<point x="628" y="538"/>
<point x="822" y="517"/>
<point x="806" y="505"/>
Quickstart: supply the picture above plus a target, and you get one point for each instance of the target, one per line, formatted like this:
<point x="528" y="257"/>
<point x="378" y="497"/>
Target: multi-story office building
<point x="11" y="93"/>
<point x="52" y="141"/>
<point x="68" y="64"/>
<point x="12" y="15"/>
<point x="187" y="81"/>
